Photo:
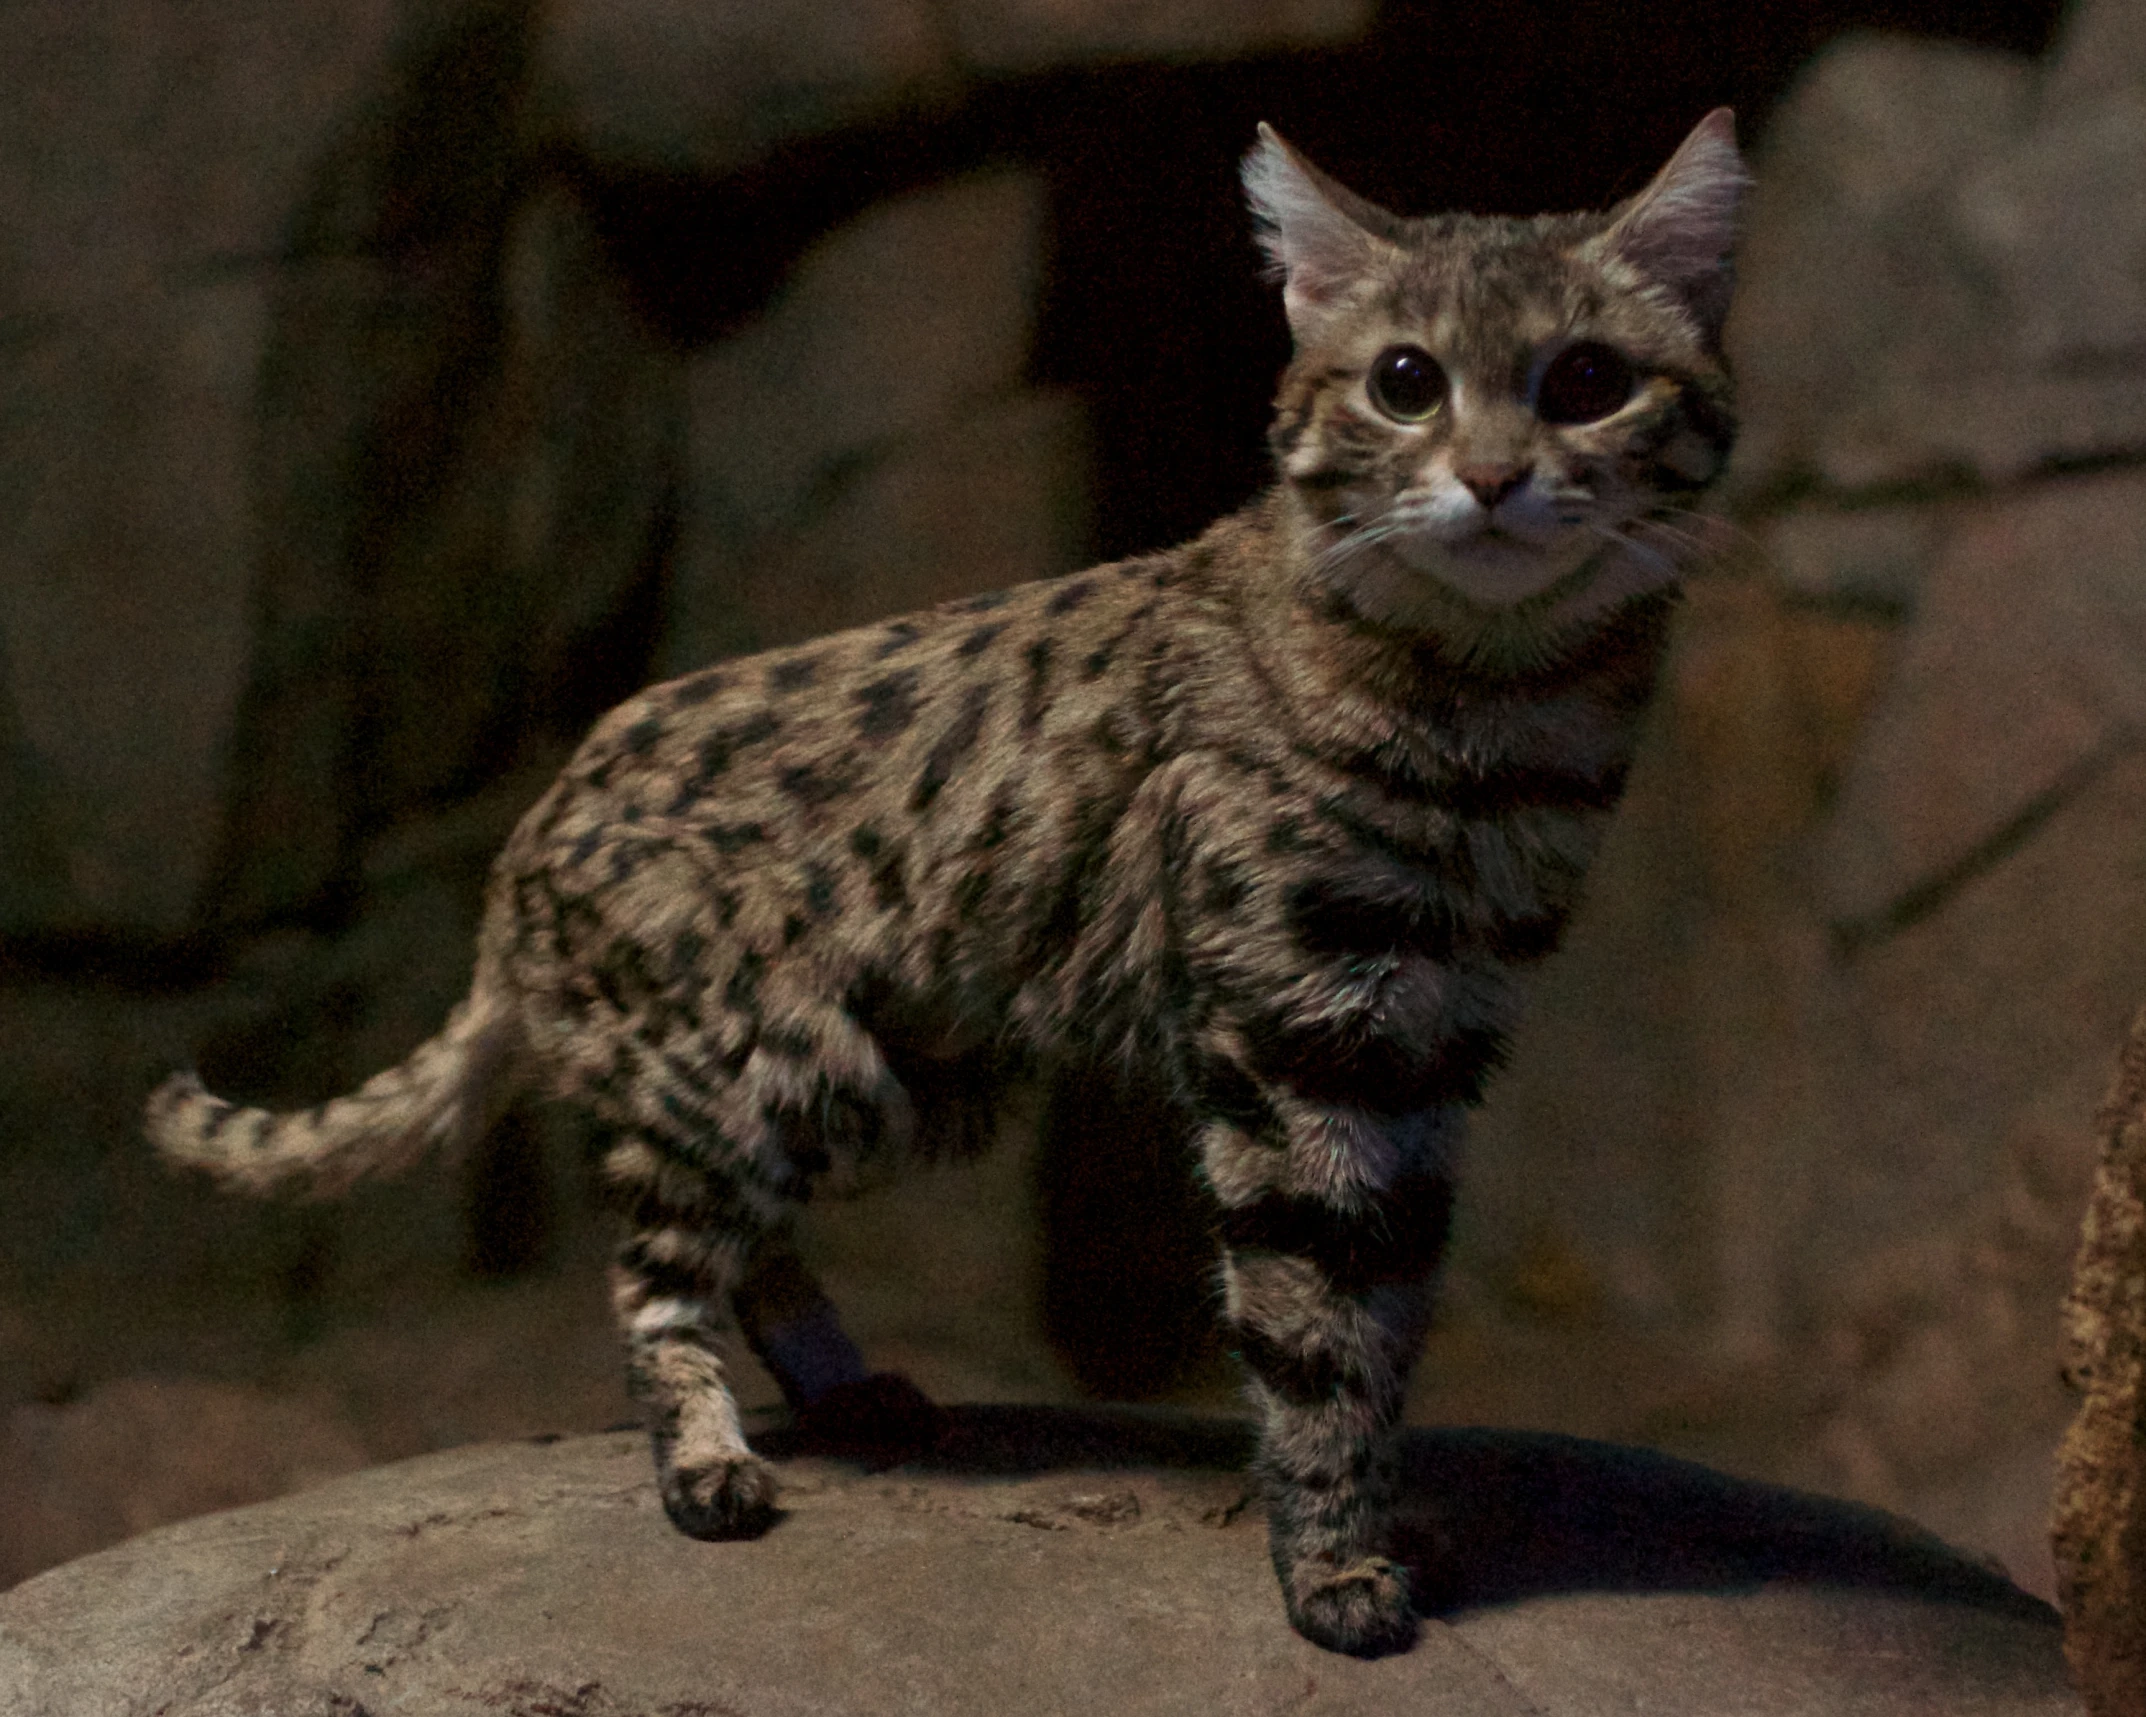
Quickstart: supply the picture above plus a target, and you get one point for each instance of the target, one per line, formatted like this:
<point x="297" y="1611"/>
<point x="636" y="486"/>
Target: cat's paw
<point x="1362" y="1608"/>
<point x="732" y="1498"/>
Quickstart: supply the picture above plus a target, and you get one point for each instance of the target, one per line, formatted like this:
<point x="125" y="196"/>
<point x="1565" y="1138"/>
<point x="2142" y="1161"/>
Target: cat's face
<point x="1486" y="419"/>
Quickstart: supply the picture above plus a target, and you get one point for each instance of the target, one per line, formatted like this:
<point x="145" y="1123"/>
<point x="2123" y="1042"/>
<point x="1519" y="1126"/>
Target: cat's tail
<point x="445" y="1094"/>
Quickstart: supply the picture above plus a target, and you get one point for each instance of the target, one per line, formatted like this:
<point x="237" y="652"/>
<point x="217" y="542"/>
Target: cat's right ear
<point x="1319" y="236"/>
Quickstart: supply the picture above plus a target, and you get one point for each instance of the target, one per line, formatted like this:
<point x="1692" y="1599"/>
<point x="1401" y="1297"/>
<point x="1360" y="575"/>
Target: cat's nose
<point x="1490" y="484"/>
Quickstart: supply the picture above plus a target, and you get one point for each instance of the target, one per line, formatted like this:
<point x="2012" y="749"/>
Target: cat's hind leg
<point x="793" y="1329"/>
<point x="671" y="1288"/>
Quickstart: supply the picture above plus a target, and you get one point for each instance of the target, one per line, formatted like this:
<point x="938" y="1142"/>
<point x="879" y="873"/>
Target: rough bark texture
<point x="2100" y="1532"/>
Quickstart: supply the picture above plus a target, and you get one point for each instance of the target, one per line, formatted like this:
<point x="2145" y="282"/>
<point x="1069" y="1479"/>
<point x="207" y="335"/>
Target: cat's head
<point x="1489" y="423"/>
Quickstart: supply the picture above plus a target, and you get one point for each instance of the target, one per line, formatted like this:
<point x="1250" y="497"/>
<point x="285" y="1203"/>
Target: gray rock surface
<point x="2025" y="672"/>
<point x="686" y="85"/>
<point x="1042" y="1562"/>
<point x="868" y="446"/>
<point x="1857" y="292"/>
<point x="149" y="162"/>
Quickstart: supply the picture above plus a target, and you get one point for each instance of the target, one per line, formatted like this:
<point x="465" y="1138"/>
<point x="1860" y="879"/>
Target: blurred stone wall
<point x="1823" y="1066"/>
<point x="346" y="481"/>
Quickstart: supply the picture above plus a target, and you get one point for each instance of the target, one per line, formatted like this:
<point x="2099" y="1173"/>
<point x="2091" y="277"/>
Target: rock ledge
<point x="1046" y="1561"/>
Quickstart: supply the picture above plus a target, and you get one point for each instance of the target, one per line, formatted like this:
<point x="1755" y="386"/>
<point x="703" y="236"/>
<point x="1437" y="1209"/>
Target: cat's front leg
<point x="1333" y="1224"/>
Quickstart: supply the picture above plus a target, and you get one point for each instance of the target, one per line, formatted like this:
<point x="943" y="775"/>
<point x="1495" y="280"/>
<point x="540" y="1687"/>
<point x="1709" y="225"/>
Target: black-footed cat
<point x="1283" y="810"/>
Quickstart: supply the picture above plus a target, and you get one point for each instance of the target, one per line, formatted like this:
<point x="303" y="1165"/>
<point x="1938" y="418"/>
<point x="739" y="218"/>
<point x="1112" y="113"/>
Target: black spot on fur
<point x="696" y="688"/>
<point x="1225" y="886"/>
<point x="979" y="640"/>
<point x="1035" y="690"/>
<point x="742" y="993"/>
<point x="1329" y="921"/>
<point x="970" y="893"/>
<point x="1065" y="907"/>
<point x="734" y="837"/>
<point x="641" y="737"/>
<point x="819" y="890"/>
<point x="1400" y="1237"/>
<point x="982" y="603"/>
<point x="889" y="705"/>
<point x="1339" y="1061"/>
<point x="791" y="675"/>
<point x="954" y="745"/>
<point x="1070" y="596"/>
<point x="1303" y="1377"/>
<point x="1224" y="1091"/>
<point x="899" y="635"/>
<point x="712" y="756"/>
<point x="884" y="862"/>
<point x="809" y="787"/>
<point x="999" y="824"/>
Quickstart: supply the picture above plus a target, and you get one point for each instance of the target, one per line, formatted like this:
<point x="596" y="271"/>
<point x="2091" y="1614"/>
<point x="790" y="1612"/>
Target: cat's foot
<point x="1362" y="1608"/>
<point x="882" y="1420"/>
<point x="732" y="1498"/>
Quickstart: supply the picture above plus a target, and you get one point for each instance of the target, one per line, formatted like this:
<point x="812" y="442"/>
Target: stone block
<point x="690" y="86"/>
<point x="467" y="480"/>
<point x="1869" y="558"/>
<point x="2060" y="220"/>
<point x="996" y="500"/>
<point x="1856" y="292"/>
<point x="1995" y="428"/>
<point x="1014" y="36"/>
<point x="893" y="326"/>
<point x="2099" y="50"/>
<point x="143" y="143"/>
<point x="2026" y="665"/>
<point x="866" y="447"/>
<point x="127" y="540"/>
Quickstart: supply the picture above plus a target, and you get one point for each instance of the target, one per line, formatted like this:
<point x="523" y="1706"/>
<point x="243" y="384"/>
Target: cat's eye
<point x="1406" y="383"/>
<point x="1584" y="382"/>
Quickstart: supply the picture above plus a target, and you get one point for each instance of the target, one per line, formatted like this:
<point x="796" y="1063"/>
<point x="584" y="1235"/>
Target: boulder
<point x="867" y="446"/>
<point x="150" y="158"/>
<point x="1042" y="1561"/>
<point x="1858" y="294"/>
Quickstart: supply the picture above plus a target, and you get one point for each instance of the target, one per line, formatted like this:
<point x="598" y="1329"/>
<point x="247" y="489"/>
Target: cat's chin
<point x="1490" y="571"/>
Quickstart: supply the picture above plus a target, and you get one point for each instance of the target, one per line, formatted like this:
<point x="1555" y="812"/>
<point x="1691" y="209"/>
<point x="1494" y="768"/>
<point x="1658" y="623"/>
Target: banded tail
<point x="449" y="1089"/>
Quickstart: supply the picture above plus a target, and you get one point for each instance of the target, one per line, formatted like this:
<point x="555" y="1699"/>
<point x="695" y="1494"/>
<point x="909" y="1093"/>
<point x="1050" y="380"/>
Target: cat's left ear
<point x="1320" y="237"/>
<point x="1682" y="227"/>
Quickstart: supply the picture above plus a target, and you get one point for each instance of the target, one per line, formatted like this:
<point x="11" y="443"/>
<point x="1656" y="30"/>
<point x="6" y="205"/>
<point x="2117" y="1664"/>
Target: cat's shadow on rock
<point x="1494" y="1517"/>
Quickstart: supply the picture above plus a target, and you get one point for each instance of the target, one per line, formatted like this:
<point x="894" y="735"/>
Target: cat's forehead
<point x="1479" y="290"/>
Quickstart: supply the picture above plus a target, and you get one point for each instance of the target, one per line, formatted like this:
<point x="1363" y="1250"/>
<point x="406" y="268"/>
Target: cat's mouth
<point x="1494" y="566"/>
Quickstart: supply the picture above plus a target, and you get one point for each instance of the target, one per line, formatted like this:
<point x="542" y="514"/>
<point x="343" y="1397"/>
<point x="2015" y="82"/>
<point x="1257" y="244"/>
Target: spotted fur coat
<point x="1282" y="813"/>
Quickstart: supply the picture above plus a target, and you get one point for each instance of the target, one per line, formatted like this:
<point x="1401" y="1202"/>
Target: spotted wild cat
<point x="1283" y="811"/>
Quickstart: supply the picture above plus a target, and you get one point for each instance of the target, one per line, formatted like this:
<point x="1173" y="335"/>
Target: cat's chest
<point x="1458" y="832"/>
